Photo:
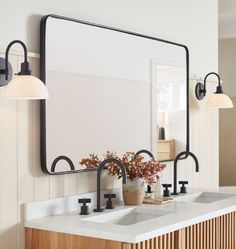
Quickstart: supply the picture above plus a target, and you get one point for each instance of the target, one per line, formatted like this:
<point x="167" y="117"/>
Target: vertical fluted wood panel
<point x="216" y="233"/>
<point x="227" y="232"/>
<point x="218" y="238"/>
<point x="221" y="234"/>
<point x="213" y="233"/>
<point x="166" y="241"/>
<point x="233" y="231"/>
<point x="234" y="228"/>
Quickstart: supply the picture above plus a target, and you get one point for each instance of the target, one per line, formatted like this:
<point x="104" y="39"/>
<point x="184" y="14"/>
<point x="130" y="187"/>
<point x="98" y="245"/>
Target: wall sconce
<point x="218" y="99"/>
<point x="25" y="86"/>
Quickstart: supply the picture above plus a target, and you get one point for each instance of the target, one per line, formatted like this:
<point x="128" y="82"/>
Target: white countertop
<point x="182" y="214"/>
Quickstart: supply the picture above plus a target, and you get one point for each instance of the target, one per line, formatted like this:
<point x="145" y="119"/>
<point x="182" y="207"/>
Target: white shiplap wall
<point x="21" y="179"/>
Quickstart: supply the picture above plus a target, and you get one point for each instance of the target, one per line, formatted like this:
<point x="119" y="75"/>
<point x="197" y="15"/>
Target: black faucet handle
<point x="183" y="182"/>
<point x="109" y="204"/>
<point x="84" y="201"/>
<point x="166" y="186"/>
<point x="109" y="196"/>
<point x="183" y="189"/>
<point x="84" y="208"/>
<point x="166" y="192"/>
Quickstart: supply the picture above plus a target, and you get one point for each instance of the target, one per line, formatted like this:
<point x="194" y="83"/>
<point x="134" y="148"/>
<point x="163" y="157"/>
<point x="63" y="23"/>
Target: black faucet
<point x="99" y="170"/>
<point x="187" y="153"/>
<point x="149" y="189"/>
<point x="145" y="152"/>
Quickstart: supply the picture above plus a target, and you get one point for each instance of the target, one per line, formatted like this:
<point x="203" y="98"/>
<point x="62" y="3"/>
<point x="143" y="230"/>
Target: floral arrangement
<point x="134" y="164"/>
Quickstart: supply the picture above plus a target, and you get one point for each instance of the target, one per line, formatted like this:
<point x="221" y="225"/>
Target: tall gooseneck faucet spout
<point x="145" y="152"/>
<point x="99" y="170"/>
<point x="188" y="153"/>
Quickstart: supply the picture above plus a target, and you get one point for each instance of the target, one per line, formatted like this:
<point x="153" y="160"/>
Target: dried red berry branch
<point x="135" y="166"/>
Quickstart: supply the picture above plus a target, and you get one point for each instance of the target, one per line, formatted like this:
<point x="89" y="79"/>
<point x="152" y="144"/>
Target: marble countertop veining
<point x="178" y="214"/>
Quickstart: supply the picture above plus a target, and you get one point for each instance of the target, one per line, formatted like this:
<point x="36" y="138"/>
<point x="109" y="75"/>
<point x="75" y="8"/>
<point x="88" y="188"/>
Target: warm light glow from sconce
<point x="219" y="100"/>
<point x="26" y="87"/>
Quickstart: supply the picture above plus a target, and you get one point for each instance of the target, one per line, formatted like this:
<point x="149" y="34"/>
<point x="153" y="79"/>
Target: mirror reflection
<point x="112" y="88"/>
<point x="171" y="110"/>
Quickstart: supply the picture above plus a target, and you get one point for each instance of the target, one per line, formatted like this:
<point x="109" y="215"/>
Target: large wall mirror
<point x="110" y="90"/>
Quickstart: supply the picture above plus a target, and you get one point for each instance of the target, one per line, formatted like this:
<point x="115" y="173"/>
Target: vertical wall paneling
<point x="212" y="135"/>
<point x="41" y="181"/>
<point x="70" y="185"/>
<point x="56" y="186"/>
<point x="196" y="125"/>
<point x="25" y="158"/>
<point x="8" y="169"/>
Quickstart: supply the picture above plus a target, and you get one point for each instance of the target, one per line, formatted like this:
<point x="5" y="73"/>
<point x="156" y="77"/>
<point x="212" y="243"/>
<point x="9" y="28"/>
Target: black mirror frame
<point x="43" y="151"/>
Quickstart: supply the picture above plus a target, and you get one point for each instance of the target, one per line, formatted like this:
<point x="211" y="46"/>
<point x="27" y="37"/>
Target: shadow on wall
<point x="192" y="98"/>
<point x="6" y="237"/>
<point x="33" y="32"/>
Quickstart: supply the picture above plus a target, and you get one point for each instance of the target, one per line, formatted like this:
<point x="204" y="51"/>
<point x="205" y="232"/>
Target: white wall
<point x="173" y="20"/>
<point x="20" y="177"/>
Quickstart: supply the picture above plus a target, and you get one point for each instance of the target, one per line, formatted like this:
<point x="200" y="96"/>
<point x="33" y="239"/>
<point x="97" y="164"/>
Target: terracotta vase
<point x="133" y="192"/>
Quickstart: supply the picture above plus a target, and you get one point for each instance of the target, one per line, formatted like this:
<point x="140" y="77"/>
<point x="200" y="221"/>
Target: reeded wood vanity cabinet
<point x="217" y="233"/>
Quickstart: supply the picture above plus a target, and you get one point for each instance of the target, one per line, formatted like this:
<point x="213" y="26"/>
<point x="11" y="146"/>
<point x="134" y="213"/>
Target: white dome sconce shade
<point x="25" y="85"/>
<point x="218" y="99"/>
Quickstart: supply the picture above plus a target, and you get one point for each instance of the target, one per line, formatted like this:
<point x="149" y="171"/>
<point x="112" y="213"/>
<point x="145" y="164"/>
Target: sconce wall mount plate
<point x="3" y="80"/>
<point x="200" y="91"/>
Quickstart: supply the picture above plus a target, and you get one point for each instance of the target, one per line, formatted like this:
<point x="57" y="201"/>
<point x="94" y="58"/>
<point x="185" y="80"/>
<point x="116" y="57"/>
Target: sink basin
<point x="204" y="197"/>
<point x="128" y="216"/>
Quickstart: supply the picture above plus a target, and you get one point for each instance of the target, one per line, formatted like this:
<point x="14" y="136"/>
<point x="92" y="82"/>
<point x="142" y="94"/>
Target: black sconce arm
<point x="217" y="75"/>
<point x="200" y="89"/>
<point x="25" y="68"/>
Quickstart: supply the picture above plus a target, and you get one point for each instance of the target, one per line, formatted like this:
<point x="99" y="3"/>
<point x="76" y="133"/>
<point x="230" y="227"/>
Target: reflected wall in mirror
<point x="171" y="107"/>
<point x="101" y="91"/>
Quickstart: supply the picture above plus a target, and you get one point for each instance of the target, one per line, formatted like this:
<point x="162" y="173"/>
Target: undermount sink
<point x="128" y="216"/>
<point x="204" y="197"/>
